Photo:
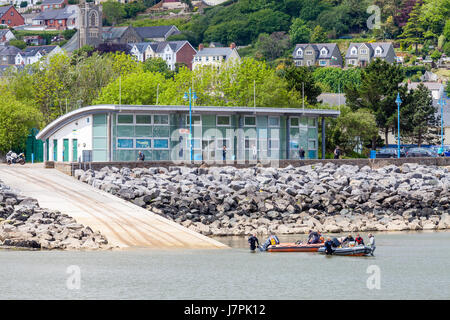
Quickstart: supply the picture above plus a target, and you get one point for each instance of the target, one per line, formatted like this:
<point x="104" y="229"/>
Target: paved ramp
<point x="121" y="222"/>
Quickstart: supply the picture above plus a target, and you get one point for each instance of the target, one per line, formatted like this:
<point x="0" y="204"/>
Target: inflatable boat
<point x="294" y="247"/>
<point x="349" y="251"/>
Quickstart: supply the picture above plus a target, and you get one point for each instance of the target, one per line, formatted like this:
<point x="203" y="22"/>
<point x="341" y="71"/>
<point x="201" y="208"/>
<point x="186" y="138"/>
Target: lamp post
<point x="442" y="102"/>
<point x="191" y="96"/>
<point x="399" y="102"/>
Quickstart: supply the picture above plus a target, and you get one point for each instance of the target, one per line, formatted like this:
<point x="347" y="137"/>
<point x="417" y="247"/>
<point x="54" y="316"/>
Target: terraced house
<point x="362" y="54"/>
<point x="172" y="52"/>
<point x="317" y="54"/>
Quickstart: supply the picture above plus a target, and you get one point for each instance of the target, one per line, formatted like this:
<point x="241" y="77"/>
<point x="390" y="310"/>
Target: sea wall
<point x="24" y="224"/>
<point x="325" y="197"/>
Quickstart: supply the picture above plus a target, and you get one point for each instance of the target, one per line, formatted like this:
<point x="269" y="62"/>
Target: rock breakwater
<point x="328" y="198"/>
<point x="23" y="224"/>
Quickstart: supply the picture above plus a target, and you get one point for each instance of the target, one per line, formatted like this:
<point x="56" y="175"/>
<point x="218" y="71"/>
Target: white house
<point x="171" y="52"/>
<point x="5" y="36"/>
<point x="35" y="53"/>
<point x="215" y="56"/>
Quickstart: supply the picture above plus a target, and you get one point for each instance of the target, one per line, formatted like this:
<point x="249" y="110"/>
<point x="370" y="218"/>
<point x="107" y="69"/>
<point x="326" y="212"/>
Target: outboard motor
<point x="272" y="240"/>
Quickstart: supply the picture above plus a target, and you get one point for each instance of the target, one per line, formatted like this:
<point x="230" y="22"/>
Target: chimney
<point x="233" y="45"/>
<point x="201" y="46"/>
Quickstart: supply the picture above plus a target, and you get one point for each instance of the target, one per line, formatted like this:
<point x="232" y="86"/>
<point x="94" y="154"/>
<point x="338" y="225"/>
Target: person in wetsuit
<point x="359" y="240"/>
<point x="313" y="237"/>
<point x="253" y="240"/>
<point x="328" y="246"/>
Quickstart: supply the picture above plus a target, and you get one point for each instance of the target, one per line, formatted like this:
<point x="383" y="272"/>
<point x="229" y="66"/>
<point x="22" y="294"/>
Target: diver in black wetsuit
<point x="328" y="246"/>
<point x="252" y="240"/>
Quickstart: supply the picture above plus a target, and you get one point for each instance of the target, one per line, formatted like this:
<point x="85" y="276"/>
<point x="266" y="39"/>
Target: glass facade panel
<point x="124" y="118"/>
<point x="126" y="155"/>
<point x="161" y="131"/>
<point x="249" y="121"/>
<point x="161" y="119"/>
<point x="294" y="122"/>
<point x="223" y="120"/>
<point x="99" y="143"/>
<point x="274" y="121"/>
<point x="125" y="143"/>
<point x="143" y="131"/>
<point x="160" y="155"/>
<point x="143" y="119"/>
<point x="143" y="143"/>
<point x="161" y="143"/>
<point x="125" y="131"/>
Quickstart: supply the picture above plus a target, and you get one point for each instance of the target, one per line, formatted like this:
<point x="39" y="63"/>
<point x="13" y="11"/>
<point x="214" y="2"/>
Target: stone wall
<point x="69" y="168"/>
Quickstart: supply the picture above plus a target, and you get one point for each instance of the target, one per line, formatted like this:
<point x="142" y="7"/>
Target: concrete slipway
<point x="121" y="222"/>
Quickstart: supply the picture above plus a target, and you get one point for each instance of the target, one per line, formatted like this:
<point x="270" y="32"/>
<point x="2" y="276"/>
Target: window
<point x="160" y="143"/>
<point x="363" y="51"/>
<point x="12" y="13"/>
<point x="161" y="119"/>
<point x="378" y="50"/>
<point x="274" y="144"/>
<point x="249" y="121"/>
<point x="9" y="21"/>
<point x="299" y="63"/>
<point x="300" y="52"/>
<point x="196" y="120"/>
<point x="354" y="51"/>
<point x="223" y="120"/>
<point x="124" y="118"/>
<point x="311" y="122"/>
<point x="324" y="51"/>
<point x="274" y="121"/>
<point x="312" y="144"/>
<point x="308" y="62"/>
<point x="323" y="62"/>
<point x="196" y="144"/>
<point x="309" y="52"/>
<point x="125" y="143"/>
<point x="143" y="143"/>
<point x="294" y="122"/>
<point x="143" y="119"/>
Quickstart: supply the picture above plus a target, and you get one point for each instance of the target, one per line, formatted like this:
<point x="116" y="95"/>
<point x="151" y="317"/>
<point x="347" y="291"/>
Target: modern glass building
<point x="108" y="133"/>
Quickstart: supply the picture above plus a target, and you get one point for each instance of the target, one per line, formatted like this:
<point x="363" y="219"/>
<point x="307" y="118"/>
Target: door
<point x="55" y="150"/>
<point x="66" y="150"/>
<point x="75" y="150"/>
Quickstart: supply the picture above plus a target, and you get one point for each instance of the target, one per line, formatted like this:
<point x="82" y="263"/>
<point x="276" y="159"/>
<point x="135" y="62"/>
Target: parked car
<point x="390" y="153"/>
<point x="420" y="152"/>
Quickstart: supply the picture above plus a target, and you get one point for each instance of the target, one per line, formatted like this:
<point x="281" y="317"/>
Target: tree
<point x="157" y="65"/>
<point x="17" y="118"/>
<point x="299" y="31"/>
<point x="352" y="128"/>
<point x="413" y="31"/>
<point x="302" y="79"/>
<point x="380" y="83"/>
<point x="23" y="4"/>
<point x="419" y="119"/>
<point x="18" y="44"/>
<point x="336" y="79"/>
<point x="318" y="35"/>
<point x="273" y="46"/>
<point x="139" y="88"/>
<point x="113" y="12"/>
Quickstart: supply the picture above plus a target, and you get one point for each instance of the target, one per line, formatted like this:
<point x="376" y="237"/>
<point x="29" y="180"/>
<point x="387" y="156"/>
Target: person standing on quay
<point x="301" y="153"/>
<point x="372" y="243"/>
<point x="224" y="152"/>
<point x="337" y="152"/>
<point x="254" y="151"/>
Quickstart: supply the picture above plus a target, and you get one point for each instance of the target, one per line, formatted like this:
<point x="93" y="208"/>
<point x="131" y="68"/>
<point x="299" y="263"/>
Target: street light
<point x="442" y="102"/>
<point x="191" y="96"/>
<point x="399" y="102"/>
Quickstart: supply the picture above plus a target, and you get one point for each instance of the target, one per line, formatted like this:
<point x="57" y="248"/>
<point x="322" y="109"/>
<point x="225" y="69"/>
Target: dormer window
<point x="300" y="52"/>
<point x="323" y="52"/>
<point x="378" y="51"/>
<point x="354" y="51"/>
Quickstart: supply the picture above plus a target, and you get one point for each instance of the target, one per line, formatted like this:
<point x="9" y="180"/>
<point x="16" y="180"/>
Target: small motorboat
<point x="349" y="251"/>
<point x="295" y="247"/>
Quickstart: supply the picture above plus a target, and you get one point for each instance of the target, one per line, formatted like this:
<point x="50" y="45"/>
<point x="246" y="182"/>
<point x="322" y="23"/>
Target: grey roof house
<point x="215" y="56"/>
<point x="121" y="35"/>
<point x="157" y="33"/>
<point x="8" y="54"/>
<point x="362" y="54"/>
<point x="317" y="54"/>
